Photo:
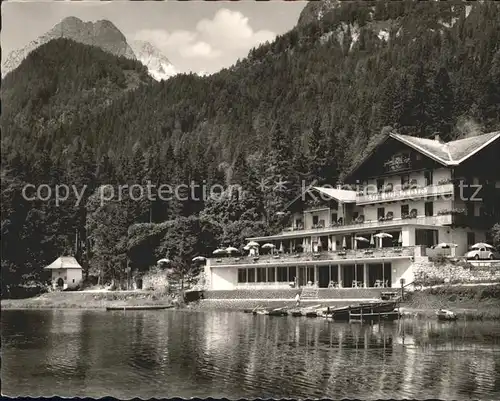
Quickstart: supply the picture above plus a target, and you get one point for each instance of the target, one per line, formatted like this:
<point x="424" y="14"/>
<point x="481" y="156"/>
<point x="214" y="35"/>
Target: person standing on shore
<point x="297" y="300"/>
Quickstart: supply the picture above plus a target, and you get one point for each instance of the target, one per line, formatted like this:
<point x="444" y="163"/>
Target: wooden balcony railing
<point x="339" y="228"/>
<point x="403" y="194"/>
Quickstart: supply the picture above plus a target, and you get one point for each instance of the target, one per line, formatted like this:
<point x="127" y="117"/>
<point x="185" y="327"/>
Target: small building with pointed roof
<point x="66" y="272"/>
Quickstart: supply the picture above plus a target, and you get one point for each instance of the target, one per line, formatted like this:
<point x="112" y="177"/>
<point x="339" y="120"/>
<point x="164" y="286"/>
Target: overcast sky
<point x="195" y="36"/>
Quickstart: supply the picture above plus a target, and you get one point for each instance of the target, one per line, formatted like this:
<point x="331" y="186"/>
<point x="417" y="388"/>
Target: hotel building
<point x="407" y="195"/>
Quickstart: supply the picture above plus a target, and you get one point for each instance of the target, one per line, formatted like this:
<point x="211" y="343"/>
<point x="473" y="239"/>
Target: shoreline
<point x="480" y="302"/>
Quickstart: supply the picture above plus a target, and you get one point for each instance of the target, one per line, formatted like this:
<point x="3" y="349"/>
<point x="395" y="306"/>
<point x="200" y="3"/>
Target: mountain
<point x="103" y="34"/>
<point x="158" y="64"/>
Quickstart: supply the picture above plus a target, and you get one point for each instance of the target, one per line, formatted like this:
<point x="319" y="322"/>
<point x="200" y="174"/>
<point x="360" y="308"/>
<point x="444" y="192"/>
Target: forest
<point x="304" y="107"/>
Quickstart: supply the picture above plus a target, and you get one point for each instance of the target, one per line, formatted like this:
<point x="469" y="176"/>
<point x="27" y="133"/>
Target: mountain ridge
<point x="103" y="34"/>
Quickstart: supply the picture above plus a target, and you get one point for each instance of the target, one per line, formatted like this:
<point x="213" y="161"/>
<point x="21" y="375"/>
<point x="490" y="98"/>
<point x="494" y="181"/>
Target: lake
<point x="236" y="355"/>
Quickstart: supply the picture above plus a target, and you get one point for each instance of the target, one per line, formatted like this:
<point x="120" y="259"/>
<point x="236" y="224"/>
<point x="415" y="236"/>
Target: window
<point x="380" y="184"/>
<point x="428" y="177"/>
<point x="310" y="274"/>
<point x="271" y="274"/>
<point x="315" y="220"/>
<point x="334" y="217"/>
<point x="73" y="280"/>
<point x="261" y="275"/>
<point x="355" y="215"/>
<point x="242" y="275"/>
<point x="426" y="237"/>
<point x="405" y="210"/>
<point x="380" y="212"/>
<point x="292" y="273"/>
<point x="65" y="278"/>
<point x="282" y="274"/>
<point x="429" y="209"/>
<point x="251" y="275"/>
<point x="471" y="239"/>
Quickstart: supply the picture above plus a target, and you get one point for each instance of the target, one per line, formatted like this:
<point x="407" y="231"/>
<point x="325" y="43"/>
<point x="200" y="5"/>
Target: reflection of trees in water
<point x="228" y="353"/>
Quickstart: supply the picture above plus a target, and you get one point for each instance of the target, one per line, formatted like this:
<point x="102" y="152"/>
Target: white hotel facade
<point x="420" y="192"/>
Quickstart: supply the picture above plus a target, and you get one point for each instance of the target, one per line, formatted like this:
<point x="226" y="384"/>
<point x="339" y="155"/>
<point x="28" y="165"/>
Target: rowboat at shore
<point x="446" y="315"/>
<point x="308" y="311"/>
<point x="368" y="309"/>
<point x="139" y="307"/>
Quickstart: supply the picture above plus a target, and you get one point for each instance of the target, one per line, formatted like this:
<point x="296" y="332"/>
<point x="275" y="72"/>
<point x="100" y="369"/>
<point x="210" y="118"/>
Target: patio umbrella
<point x="231" y="249"/>
<point x="246" y="248"/>
<point x="282" y="248"/>
<point x="482" y="245"/>
<point x="361" y="239"/>
<point x="164" y="260"/>
<point x="400" y="239"/>
<point x="219" y="251"/>
<point x="372" y="241"/>
<point x="199" y="259"/>
<point x="381" y="236"/>
<point x="344" y="243"/>
<point x="319" y="244"/>
<point x="253" y="244"/>
<point x="268" y="246"/>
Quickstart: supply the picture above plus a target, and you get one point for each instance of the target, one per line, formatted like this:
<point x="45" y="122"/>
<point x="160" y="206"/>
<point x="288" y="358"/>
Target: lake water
<point x="236" y="355"/>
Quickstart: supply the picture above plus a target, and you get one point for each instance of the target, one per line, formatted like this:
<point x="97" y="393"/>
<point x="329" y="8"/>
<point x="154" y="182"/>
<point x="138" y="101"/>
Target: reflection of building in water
<point x="65" y="340"/>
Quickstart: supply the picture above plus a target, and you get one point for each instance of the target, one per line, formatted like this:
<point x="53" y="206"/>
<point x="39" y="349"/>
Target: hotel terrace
<point x="403" y="198"/>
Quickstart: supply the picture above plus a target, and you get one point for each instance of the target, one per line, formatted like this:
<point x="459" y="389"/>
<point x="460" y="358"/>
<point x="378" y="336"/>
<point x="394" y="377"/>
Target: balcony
<point x="405" y="194"/>
<point x="325" y="256"/>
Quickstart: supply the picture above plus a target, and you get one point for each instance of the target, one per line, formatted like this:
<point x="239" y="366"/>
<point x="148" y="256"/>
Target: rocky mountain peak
<point x="103" y="34"/>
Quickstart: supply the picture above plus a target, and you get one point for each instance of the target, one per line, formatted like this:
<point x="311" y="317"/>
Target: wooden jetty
<point x="374" y="309"/>
<point x="138" y="307"/>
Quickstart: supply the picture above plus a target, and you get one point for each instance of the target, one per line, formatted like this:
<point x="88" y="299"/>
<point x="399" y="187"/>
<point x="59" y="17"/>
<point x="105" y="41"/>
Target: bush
<point x="438" y="259"/>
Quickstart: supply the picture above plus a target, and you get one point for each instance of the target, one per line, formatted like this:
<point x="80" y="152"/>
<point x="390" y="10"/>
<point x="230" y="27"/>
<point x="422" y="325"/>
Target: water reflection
<point x="215" y="354"/>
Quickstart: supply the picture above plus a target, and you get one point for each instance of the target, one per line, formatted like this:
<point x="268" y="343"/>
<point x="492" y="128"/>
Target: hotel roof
<point x="447" y="153"/>
<point x="341" y="195"/>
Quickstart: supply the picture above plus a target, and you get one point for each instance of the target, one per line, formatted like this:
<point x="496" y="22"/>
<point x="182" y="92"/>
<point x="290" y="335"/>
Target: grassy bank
<point x="89" y="300"/>
<point x="469" y="302"/>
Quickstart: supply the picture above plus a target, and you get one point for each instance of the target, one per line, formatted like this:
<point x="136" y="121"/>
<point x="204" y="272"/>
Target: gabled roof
<point x="64" y="262"/>
<point x="340" y="195"/>
<point x="450" y="153"/>
<point x="446" y="153"/>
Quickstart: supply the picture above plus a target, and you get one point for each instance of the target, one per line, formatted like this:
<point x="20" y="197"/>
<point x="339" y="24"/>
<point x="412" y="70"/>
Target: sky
<point x="195" y="36"/>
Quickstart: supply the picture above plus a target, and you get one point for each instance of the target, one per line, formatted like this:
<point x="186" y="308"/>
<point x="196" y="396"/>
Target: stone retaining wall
<point x="460" y="272"/>
<point x="323" y="293"/>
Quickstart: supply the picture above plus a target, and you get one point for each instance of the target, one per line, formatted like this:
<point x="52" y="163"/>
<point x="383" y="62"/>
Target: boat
<point x="138" y="307"/>
<point x="311" y="311"/>
<point x="371" y="308"/>
<point x="277" y="312"/>
<point x="271" y="312"/>
<point x="446" y="315"/>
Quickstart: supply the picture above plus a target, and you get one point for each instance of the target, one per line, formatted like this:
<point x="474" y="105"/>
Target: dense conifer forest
<point x="305" y="107"/>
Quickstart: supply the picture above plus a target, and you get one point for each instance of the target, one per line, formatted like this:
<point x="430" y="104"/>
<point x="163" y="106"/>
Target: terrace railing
<point x="349" y="254"/>
<point x="395" y="222"/>
<point x="405" y="193"/>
